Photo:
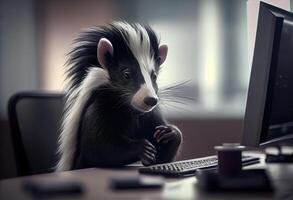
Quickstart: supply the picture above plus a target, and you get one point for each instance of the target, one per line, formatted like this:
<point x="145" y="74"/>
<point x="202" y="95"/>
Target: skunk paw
<point x="167" y="134"/>
<point x="149" y="154"/>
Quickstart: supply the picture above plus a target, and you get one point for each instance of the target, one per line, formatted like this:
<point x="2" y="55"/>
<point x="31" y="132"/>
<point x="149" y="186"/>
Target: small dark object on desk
<point x="279" y="154"/>
<point x="247" y="180"/>
<point x="270" y="158"/>
<point x="45" y="188"/>
<point x="136" y="182"/>
<point x="229" y="158"/>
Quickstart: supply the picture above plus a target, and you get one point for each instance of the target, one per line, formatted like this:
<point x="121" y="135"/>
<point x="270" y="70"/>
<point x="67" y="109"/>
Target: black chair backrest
<point x="35" y="121"/>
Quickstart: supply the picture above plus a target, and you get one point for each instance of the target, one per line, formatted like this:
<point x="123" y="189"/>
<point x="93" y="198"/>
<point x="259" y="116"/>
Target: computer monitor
<point x="269" y="109"/>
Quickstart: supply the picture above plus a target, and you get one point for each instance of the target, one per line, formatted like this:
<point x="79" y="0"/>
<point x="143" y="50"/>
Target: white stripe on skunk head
<point x="133" y="59"/>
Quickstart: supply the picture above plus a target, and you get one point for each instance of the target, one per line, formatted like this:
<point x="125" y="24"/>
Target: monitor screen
<point x="281" y="115"/>
<point x="269" y="109"/>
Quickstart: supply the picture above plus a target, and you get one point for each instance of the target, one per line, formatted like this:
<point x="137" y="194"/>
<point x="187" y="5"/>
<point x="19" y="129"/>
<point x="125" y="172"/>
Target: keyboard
<point x="189" y="167"/>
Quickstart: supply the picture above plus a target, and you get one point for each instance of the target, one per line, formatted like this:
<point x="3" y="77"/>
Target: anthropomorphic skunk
<point x="111" y="115"/>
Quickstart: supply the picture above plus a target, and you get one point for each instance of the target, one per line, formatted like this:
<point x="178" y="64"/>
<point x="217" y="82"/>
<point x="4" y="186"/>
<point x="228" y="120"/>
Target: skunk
<point x="111" y="116"/>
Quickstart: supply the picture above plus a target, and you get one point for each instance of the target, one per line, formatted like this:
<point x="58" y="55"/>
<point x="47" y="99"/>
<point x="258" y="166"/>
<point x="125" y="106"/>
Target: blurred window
<point x="207" y="42"/>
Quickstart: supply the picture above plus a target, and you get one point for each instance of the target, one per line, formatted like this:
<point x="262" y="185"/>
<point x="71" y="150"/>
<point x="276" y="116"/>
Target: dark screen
<point x="281" y="115"/>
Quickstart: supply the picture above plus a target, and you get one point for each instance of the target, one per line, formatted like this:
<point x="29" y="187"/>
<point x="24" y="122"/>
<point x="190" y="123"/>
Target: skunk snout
<point x="144" y="100"/>
<point x="150" y="101"/>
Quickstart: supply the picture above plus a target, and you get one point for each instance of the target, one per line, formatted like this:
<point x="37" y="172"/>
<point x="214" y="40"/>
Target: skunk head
<point x="132" y="56"/>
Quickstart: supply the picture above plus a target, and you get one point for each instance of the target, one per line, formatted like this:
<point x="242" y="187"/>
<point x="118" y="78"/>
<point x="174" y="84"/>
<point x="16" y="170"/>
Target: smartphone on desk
<point x="136" y="182"/>
<point x="53" y="187"/>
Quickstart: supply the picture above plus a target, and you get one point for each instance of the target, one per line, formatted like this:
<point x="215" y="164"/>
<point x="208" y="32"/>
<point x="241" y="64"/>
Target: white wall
<point x="252" y="16"/>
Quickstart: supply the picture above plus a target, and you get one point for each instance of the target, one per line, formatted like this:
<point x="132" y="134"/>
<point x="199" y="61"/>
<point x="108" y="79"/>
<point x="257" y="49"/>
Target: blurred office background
<point x="210" y="46"/>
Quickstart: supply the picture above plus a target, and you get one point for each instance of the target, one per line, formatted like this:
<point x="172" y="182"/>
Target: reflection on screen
<point x="281" y="115"/>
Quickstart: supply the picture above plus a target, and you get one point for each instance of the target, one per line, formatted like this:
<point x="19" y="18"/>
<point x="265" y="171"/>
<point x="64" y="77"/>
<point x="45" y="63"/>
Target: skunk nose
<point x="150" y="101"/>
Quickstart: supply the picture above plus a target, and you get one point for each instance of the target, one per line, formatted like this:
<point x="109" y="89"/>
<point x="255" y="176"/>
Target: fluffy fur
<point x="111" y="117"/>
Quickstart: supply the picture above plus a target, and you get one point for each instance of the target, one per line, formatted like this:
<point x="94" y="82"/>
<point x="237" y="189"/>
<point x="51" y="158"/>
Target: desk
<point x="96" y="185"/>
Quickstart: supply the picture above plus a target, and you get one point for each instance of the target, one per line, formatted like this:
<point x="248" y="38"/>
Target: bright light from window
<point x="210" y="86"/>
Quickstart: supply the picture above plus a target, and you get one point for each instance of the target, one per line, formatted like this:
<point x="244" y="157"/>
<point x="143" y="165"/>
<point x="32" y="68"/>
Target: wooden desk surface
<point x="96" y="182"/>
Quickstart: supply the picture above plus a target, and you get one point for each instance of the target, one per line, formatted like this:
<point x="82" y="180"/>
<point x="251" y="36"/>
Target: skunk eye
<point x="154" y="75"/>
<point x="126" y="75"/>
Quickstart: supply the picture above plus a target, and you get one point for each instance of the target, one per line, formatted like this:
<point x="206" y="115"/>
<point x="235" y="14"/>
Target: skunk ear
<point x="163" y="50"/>
<point x="104" y="47"/>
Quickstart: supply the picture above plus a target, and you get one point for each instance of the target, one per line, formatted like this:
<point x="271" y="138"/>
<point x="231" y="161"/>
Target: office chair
<point x="35" y="120"/>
